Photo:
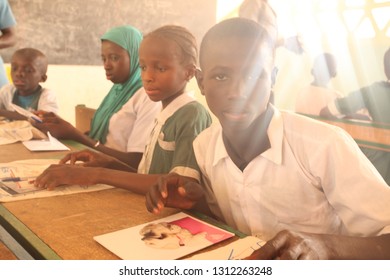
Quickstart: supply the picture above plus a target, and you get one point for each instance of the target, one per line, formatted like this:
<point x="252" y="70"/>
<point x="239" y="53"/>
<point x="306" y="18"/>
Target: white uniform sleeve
<point x="48" y="101"/>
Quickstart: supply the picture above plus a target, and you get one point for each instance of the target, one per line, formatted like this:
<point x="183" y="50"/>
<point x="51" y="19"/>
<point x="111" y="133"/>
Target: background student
<point x="28" y="70"/>
<point x="300" y="184"/>
<point x="168" y="58"/>
<point x="122" y="123"/>
<point x="375" y="98"/>
<point x="7" y="35"/>
<point x="262" y="12"/>
<point x="315" y="96"/>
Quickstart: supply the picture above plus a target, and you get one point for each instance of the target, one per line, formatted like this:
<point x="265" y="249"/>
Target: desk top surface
<point x="65" y="225"/>
<point x="5" y="253"/>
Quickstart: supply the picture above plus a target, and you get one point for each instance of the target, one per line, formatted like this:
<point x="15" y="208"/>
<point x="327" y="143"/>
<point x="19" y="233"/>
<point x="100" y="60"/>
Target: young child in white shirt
<point x="28" y="70"/>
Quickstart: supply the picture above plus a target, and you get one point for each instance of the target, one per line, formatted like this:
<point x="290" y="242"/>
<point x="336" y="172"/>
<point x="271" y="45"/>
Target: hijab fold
<point x="128" y="38"/>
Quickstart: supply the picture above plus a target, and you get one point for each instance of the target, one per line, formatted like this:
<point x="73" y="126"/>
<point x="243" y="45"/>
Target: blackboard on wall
<point x="68" y="31"/>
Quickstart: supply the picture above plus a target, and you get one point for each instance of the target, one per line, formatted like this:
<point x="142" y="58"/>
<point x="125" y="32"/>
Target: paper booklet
<point x="169" y="238"/>
<point x="17" y="181"/>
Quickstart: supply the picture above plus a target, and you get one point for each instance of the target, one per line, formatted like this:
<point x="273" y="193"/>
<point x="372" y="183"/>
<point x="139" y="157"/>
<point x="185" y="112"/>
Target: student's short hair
<point x="239" y="28"/>
<point x="183" y="38"/>
<point x="325" y="62"/>
<point x="386" y="63"/>
<point x="34" y="53"/>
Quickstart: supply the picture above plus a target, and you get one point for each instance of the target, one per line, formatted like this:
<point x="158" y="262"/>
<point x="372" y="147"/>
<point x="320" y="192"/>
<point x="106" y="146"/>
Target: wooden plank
<point x="366" y="134"/>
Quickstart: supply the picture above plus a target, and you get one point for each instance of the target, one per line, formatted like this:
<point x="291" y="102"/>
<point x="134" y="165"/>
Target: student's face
<point x="236" y="81"/>
<point x="164" y="75"/>
<point x="116" y="62"/>
<point x="27" y="73"/>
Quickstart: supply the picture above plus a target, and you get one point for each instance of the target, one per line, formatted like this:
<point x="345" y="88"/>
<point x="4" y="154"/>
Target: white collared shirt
<point x="130" y="127"/>
<point x="47" y="101"/>
<point x="314" y="178"/>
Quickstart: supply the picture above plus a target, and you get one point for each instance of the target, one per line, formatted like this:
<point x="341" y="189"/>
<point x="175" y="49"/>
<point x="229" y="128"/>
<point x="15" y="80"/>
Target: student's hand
<point x="288" y="245"/>
<point x="89" y="158"/>
<point x="59" y="174"/>
<point x="175" y="191"/>
<point x="58" y="127"/>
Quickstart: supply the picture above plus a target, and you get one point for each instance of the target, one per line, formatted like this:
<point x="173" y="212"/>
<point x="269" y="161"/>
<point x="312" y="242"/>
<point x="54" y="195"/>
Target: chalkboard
<point x="68" y="31"/>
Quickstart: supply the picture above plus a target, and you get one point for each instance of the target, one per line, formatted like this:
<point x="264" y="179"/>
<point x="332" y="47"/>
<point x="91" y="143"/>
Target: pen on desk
<point x="16" y="179"/>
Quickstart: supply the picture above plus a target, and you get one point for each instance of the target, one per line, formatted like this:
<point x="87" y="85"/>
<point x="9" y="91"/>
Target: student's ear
<point x="190" y="73"/>
<point x="199" y="80"/>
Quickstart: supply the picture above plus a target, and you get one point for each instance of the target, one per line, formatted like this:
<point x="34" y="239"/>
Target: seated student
<point x="375" y="98"/>
<point x="168" y="59"/>
<point x="262" y="12"/>
<point x="315" y="96"/>
<point x="28" y="70"/>
<point x="122" y="123"/>
<point x="300" y="184"/>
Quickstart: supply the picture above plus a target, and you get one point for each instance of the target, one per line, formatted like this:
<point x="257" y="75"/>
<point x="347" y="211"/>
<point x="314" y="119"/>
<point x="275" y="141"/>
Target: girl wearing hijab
<point x="124" y="119"/>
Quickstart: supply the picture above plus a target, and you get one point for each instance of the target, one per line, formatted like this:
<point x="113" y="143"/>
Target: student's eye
<point x="29" y="70"/>
<point x="142" y="67"/>
<point x="114" y="58"/>
<point x="220" y="77"/>
<point x="162" y="69"/>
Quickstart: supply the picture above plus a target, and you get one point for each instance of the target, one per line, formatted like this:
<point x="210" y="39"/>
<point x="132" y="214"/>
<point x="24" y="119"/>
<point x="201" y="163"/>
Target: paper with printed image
<point x="169" y="238"/>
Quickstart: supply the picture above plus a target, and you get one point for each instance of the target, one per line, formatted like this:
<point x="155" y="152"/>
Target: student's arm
<point x="57" y="175"/>
<point x="292" y="245"/>
<point x="62" y="129"/>
<point x="89" y="158"/>
<point x="12" y="115"/>
<point x="7" y="38"/>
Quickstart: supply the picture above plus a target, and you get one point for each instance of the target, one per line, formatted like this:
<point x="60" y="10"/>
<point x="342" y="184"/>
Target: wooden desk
<point x="5" y="253"/>
<point x="366" y="134"/>
<point x="63" y="227"/>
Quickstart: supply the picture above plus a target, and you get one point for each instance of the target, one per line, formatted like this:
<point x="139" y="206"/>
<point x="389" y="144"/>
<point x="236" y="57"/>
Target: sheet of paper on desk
<point x="169" y="238"/>
<point x="30" y="169"/>
<point x="51" y="144"/>
<point x="236" y="250"/>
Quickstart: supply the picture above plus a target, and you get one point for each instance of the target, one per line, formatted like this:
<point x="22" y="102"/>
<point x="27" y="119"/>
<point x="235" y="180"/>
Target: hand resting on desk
<point x="58" y="174"/>
<point x="288" y="245"/>
<point x="83" y="167"/>
<point x="174" y="191"/>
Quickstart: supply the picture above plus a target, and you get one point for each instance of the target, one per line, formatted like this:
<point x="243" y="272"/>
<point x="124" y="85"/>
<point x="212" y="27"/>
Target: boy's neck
<point x="30" y="92"/>
<point x="243" y="147"/>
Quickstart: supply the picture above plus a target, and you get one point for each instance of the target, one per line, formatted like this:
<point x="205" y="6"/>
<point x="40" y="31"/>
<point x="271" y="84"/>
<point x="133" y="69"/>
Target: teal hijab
<point x="128" y="38"/>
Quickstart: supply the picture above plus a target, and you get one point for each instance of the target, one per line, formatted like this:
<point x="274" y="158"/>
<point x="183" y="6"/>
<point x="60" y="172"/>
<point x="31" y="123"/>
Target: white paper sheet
<point x="50" y="144"/>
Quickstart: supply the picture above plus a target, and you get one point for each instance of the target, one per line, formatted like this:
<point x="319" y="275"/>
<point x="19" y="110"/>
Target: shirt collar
<point x="275" y="135"/>
<point x="172" y="107"/>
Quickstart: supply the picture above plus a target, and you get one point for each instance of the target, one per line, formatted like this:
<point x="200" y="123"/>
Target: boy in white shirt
<point x="302" y="185"/>
<point x="28" y="70"/>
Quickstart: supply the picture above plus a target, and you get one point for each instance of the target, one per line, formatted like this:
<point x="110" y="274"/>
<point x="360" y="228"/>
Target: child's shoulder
<point x="193" y="107"/>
